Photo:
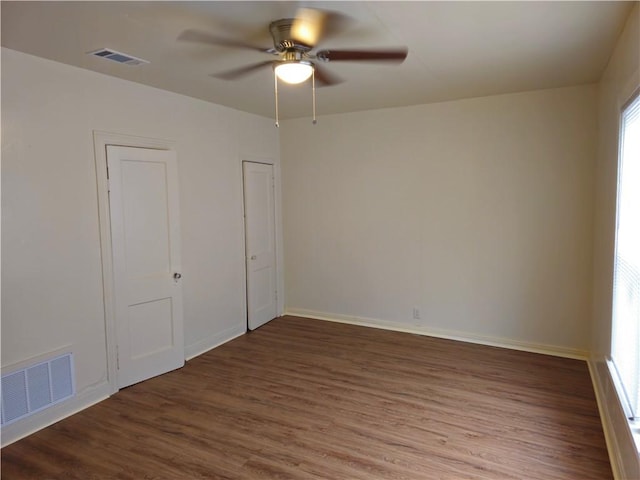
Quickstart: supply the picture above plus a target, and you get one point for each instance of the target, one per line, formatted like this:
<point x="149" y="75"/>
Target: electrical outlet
<point x="416" y="313"/>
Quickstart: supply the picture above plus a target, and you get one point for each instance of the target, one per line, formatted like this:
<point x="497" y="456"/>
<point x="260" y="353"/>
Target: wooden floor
<point x="306" y="399"/>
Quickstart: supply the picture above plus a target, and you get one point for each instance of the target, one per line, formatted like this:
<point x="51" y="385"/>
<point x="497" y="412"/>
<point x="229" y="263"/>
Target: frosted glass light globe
<point x="294" y="72"/>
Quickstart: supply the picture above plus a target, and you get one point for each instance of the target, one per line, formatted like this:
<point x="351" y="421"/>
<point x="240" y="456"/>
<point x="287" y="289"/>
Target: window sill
<point x="634" y="425"/>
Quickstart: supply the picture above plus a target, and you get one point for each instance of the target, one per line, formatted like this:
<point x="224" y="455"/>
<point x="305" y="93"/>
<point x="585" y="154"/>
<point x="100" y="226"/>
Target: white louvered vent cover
<point x="35" y="388"/>
<point x="118" y="57"/>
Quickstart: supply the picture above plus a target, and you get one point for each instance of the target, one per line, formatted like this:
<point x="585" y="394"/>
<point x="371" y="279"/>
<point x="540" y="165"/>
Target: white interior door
<point x="145" y="236"/>
<point x="259" y="214"/>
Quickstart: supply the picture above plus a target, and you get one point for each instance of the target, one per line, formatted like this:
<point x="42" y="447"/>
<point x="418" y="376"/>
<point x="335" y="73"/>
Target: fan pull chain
<point x="313" y="94"/>
<point x="275" y="79"/>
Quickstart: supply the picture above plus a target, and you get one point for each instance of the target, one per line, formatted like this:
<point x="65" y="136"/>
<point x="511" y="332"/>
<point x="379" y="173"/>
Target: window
<point x="625" y="348"/>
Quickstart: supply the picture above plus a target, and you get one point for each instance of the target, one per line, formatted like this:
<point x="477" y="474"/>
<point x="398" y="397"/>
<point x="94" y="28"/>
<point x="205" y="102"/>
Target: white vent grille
<point x="118" y="57"/>
<point x="37" y="387"/>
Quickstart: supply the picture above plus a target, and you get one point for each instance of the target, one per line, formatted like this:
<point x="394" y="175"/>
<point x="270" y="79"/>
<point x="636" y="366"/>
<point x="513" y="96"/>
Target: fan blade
<point x="197" y="36"/>
<point x="324" y="77"/>
<point x="310" y="26"/>
<point x="390" y="55"/>
<point x="242" y="71"/>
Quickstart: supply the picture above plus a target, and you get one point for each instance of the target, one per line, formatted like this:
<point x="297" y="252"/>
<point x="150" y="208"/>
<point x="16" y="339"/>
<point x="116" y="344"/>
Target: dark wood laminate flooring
<point x="303" y="399"/>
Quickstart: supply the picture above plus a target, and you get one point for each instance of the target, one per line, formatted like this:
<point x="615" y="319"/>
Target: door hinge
<point x="117" y="358"/>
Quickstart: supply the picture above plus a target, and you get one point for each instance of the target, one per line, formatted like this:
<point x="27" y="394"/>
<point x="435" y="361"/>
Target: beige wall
<point x="52" y="293"/>
<point x="479" y="212"/>
<point x="620" y="79"/>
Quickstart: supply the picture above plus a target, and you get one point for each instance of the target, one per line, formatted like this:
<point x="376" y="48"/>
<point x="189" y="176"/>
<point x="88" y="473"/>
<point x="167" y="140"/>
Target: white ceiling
<point x="456" y="49"/>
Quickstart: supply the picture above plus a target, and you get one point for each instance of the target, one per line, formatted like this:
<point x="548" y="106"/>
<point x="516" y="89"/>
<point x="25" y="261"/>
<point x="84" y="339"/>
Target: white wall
<point x="620" y="79"/>
<point x="51" y="260"/>
<point x="479" y="212"/>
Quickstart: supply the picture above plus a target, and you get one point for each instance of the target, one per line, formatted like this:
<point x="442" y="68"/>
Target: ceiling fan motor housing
<point x="282" y="38"/>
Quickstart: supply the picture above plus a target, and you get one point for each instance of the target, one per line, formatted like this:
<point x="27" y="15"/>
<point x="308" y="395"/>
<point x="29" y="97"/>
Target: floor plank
<point x="302" y="399"/>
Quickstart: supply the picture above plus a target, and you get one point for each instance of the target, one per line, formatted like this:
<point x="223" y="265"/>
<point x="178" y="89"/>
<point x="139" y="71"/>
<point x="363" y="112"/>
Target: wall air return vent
<point x="37" y="387"/>
<point x="118" y="57"/>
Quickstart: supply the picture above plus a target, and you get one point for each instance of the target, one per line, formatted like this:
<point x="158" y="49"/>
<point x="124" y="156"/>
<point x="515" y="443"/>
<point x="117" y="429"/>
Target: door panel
<point x="145" y="217"/>
<point x="150" y="327"/>
<point x="259" y="207"/>
<point x="145" y="230"/>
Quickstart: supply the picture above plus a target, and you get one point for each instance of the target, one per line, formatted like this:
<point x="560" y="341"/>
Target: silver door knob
<point x="177" y="276"/>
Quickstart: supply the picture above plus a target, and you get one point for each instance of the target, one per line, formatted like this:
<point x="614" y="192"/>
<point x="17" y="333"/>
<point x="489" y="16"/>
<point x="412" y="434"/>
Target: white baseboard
<point x="616" y="432"/>
<point x="448" y="334"/>
<point x="22" y="428"/>
<point x="607" y="427"/>
<point x="209" y="343"/>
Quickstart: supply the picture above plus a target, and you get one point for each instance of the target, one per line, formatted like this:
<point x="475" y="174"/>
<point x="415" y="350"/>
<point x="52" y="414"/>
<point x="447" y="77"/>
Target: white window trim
<point x="630" y="91"/>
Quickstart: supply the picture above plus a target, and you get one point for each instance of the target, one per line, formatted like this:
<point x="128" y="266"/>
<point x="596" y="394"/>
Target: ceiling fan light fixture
<point x="294" y="72"/>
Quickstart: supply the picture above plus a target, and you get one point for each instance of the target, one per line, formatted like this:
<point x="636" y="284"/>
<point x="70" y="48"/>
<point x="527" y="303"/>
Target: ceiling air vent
<point x="117" y="57"/>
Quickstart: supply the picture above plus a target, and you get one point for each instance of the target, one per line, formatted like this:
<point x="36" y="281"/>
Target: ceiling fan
<point x="294" y="41"/>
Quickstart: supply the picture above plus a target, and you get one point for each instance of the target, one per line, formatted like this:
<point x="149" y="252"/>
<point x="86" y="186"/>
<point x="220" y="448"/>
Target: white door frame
<point x="100" y="142"/>
<point x="278" y="233"/>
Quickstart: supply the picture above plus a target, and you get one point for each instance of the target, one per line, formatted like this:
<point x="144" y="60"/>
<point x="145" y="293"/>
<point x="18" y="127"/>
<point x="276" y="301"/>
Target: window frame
<point x="625" y="401"/>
